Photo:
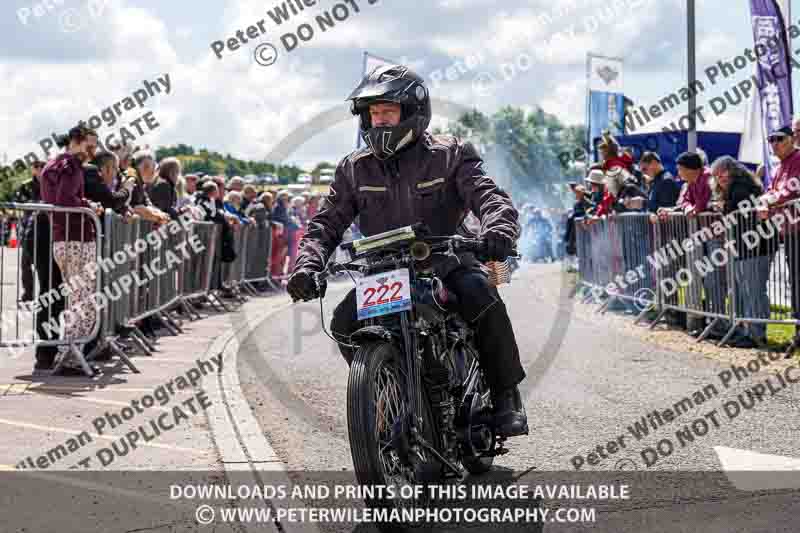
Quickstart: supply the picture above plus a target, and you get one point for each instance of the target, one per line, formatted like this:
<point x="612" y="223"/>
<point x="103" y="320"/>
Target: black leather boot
<point x="510" y="419"/>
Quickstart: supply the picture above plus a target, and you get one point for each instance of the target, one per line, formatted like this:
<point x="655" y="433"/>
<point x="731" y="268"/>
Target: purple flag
<point x="774" y="71"/>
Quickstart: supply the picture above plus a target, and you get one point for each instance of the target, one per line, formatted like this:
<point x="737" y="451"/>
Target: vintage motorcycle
<point x="418" y="408"/>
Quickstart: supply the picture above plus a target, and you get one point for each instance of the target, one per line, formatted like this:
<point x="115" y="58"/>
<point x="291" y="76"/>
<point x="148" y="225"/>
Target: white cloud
<point x="714" y="47"/>
<point x="233" y="105"/>
<point x="567" y="101"/>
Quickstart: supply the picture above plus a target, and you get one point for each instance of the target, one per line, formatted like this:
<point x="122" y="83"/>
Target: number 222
<point x="369" y="292"/>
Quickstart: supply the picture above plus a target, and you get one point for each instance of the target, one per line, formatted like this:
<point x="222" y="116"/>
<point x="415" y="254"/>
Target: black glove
<point x="303" y="286"/>
<point x="498" y="246"/>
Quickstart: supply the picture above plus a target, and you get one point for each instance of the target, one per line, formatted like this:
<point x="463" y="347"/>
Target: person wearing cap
<point x="697" y="196"/>
<point x="695" y="199"/>
<point x="796" y="132"/>
<point x="785" y="184"/>
<point x="597" y="183"/>
<point x="579" y="210"/>
<point x="784" y="188"/>
<point x="664" y="190"/>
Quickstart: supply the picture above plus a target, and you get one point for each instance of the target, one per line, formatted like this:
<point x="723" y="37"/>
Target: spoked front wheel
<point x="379" y="422"/>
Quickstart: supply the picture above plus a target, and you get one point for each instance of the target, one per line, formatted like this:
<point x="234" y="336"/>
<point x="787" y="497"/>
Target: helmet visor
<point x="388" y="91"/>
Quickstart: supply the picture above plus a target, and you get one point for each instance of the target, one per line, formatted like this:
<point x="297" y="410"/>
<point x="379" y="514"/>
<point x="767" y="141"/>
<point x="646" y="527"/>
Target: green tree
<point x="317" y="172"/>
<point x="210" y="162"/>
<point x="521" y="149"/>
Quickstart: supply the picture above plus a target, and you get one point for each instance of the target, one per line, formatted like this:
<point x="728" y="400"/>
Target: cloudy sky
<point x="70" y="62"/>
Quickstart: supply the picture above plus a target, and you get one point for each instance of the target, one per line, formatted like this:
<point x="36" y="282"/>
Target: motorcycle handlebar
<point x="477" y="246"/>
<point x="460" y="243"/>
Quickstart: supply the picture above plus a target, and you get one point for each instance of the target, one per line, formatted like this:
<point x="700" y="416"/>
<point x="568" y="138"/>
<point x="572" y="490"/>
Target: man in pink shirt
<point x="785" y="184"/>
<point x="698" y="191"/>
<point x="784" y="188"/>
<point x="693" y="200"/>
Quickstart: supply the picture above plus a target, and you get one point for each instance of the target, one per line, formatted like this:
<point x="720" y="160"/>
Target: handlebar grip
<point x="478" y="246"/>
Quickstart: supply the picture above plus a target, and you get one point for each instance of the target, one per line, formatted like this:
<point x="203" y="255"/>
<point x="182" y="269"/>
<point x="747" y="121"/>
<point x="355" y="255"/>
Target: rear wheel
<point x="377" y="423"/>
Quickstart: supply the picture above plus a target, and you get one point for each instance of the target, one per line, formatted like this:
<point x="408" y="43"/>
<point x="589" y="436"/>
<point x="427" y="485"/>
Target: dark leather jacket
<point x="437" y="181"/>
<point x="97" y="191"/>
<point x="163" y="195"/>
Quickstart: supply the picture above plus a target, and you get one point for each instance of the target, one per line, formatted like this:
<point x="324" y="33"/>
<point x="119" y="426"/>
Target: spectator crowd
<point x="619" y="184"/>
<point x="131" y="183"/>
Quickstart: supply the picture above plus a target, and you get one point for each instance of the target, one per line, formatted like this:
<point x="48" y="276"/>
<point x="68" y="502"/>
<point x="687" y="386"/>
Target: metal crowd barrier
<point x="694" y="276"/>
<point x="136" y="278"/>
<point x="35" y="257"/>
<point x="583" y="248"/>
<point x="115" y="275"/>
<point x="233" y="272"/>
<point x="156" y="288"/>
<point x="766" y="273"/>
<point x="612" y="257"/>
<point x="258" y="246"/>
<point x="736" y="270"/>
<point x="199" y="269"/>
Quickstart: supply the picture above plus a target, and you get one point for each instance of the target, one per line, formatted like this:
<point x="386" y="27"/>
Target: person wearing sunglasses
<point x="785" y="183"/>
<point x="796" y="132"/>
<point x="783" y="189"/>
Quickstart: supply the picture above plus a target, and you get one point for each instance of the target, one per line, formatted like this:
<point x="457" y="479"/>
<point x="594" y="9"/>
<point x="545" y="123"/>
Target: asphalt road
<point x="597" y="383"/>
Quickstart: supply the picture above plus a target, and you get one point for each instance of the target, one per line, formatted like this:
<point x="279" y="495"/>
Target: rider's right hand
<point x="302" y="286"/>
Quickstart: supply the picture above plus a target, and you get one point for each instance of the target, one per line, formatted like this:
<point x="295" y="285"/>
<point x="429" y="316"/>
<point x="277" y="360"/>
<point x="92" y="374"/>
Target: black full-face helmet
<point x="397" y="84"/>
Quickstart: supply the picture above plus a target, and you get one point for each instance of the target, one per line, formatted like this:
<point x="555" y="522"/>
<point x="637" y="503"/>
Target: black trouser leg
<point x="481" y="306"/>
<point x="26" y="264"/>
<point x="792" y="251"/>
<point x="52" y="305"/>
<point x="344" y="324"/>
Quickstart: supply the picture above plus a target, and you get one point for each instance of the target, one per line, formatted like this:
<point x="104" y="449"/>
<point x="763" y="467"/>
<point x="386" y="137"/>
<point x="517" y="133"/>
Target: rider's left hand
<point x="303" y="287"/>
<point x="498" y="245"/>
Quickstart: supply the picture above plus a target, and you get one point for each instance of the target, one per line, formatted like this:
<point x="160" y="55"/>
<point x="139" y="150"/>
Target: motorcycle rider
<point x="405" y="175"/>
<point x="541" y="231"/>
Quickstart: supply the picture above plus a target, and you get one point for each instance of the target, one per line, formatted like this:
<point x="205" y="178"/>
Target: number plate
<point x="383" y="294"/>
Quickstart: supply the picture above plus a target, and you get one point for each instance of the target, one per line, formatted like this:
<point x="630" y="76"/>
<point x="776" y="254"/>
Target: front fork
<point x="413" y="362"/>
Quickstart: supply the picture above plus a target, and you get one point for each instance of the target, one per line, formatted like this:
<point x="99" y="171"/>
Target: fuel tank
<point x="433" y="301"/>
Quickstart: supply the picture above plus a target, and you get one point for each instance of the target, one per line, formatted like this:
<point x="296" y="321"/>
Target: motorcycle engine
<point x="438" y="377"/>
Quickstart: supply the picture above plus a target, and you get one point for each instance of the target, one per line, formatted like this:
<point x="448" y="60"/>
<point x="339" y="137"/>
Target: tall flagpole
<point x="589" y="150"/>
<point x="692" y="135"/>
<point x="363" y="73"/>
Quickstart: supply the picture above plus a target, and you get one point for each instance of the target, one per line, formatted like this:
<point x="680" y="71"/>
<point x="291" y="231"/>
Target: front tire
<point x="375" y="402"/>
